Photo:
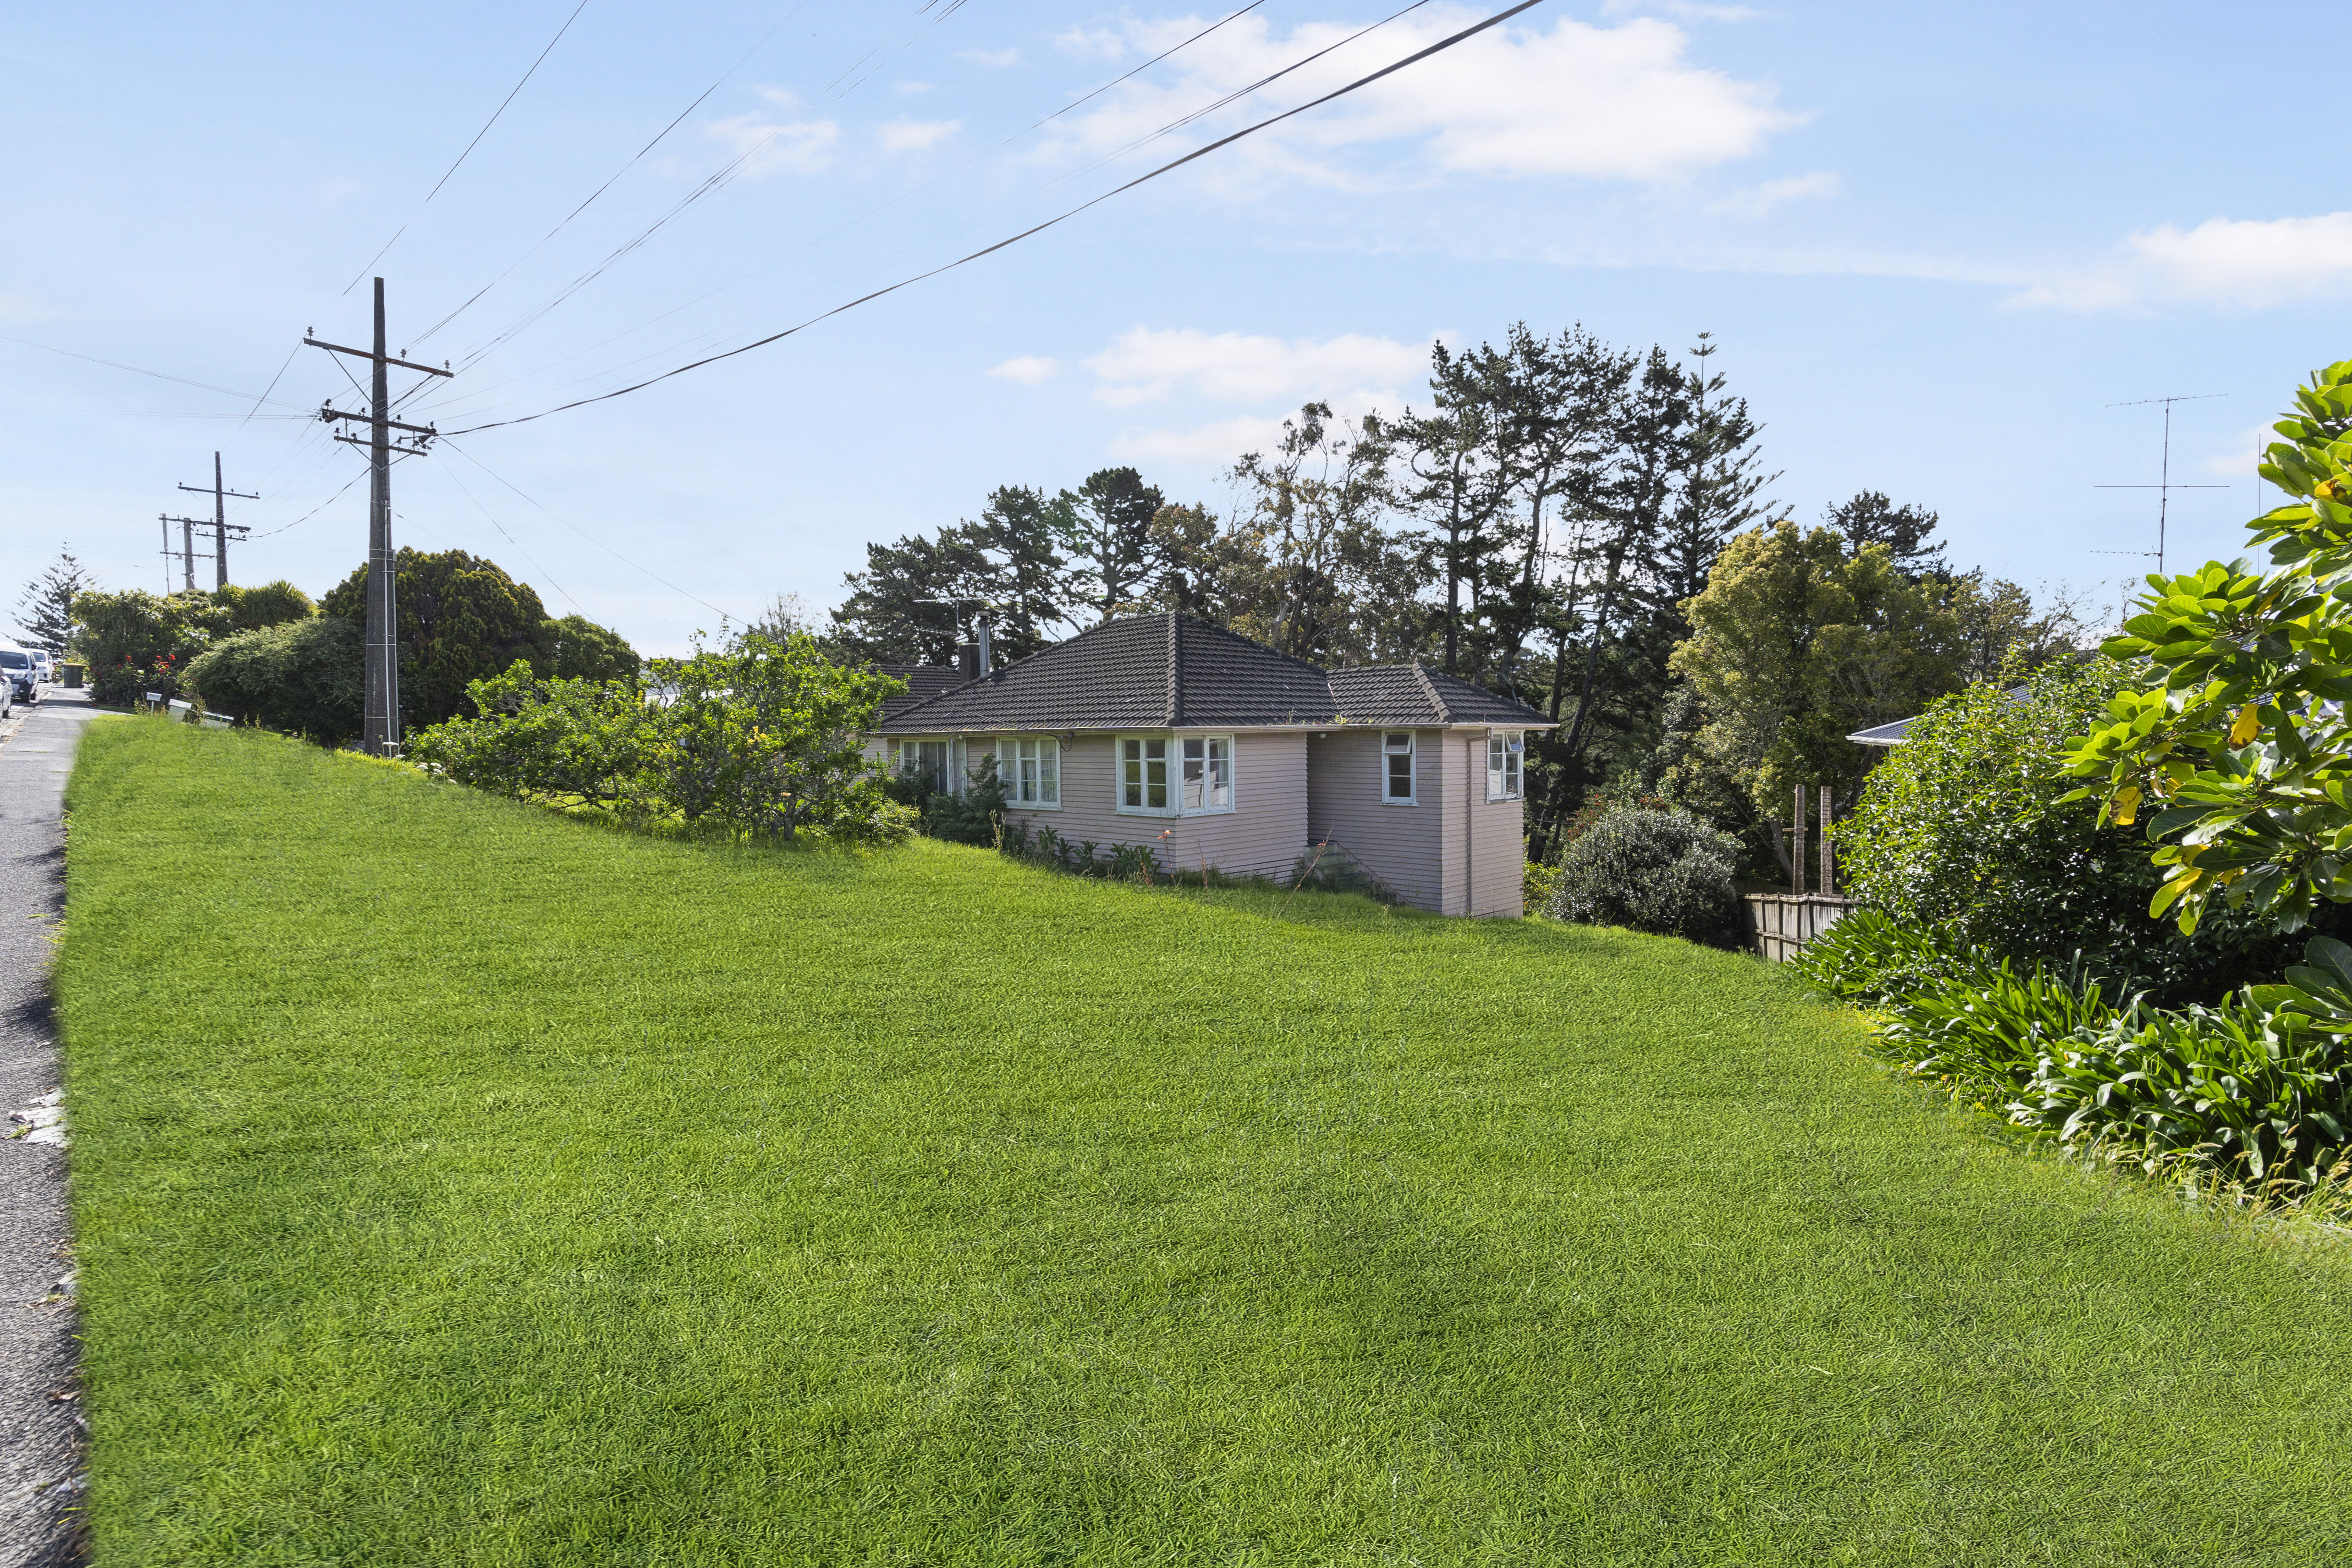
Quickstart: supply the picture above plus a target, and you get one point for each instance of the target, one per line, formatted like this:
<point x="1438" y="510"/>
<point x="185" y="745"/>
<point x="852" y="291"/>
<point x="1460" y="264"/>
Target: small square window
<point x="1143" y="774"/>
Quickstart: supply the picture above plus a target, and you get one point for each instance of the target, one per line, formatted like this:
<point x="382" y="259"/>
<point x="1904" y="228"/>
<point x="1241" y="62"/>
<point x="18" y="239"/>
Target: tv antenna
<point x="2164" y="487"/>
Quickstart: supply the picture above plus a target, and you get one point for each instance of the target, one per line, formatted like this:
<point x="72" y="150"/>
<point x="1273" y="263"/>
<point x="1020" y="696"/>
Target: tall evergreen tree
<point x="44" y="615"/>
<point x="1107" y="535"/>
<point x="1870" y="518"/>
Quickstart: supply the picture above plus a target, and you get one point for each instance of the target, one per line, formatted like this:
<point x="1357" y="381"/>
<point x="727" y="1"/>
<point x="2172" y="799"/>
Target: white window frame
<point x="910" y="753"/>
<point x="1166" y="759"/>
<point x="1412" y="755"/>
<point x="1044" y="786"/>
<point x="1212" y="746"/>
<point x="1507" y="772"/>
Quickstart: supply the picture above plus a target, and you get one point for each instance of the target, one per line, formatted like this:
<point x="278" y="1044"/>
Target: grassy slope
<point x="458" y="1183"/>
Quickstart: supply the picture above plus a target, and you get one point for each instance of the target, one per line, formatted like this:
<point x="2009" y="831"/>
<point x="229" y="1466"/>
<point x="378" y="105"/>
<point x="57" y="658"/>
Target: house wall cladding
<point x="1395" y="843"/>
<point x="1453" y="850"/>
<point x="1263" y="835"/>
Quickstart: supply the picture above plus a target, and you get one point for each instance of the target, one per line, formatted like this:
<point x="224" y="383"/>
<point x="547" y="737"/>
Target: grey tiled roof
<point x="1166" y="672"/>
<point x="924" y="682"/>
<point x="1415" y="694"/>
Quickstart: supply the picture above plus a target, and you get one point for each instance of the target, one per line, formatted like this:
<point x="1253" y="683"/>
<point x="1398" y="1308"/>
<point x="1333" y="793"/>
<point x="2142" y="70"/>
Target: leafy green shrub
<point x="1966" y="824"/>
<point x="2259" y="1085"/>
<point x="761" y="738"/>
<point x="1659" y="871"/>
<point x="462" y="619"/>
<point x="975" y="816"/>
<point x="138" y="642"/>
<point x="303" y="677"/>
<point x="558" y="743"/>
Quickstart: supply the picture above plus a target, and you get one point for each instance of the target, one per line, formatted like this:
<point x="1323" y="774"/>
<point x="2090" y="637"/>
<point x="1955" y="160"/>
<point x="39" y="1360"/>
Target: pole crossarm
<point x="208" y="490"/>
<point x="361" y="441"/>
<point x="387" y="359"/>
<point x="328" y="413"/>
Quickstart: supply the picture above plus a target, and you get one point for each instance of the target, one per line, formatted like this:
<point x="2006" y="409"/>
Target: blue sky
<point x="1936" y="245"/>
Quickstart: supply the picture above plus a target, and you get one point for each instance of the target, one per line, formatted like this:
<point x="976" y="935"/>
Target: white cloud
<point x="1220" y="442"/>
<point x="913" y="135"/>
<point x="1144" y="364"/>
<point x="2242" y="264"/>
<point x="909" y="88"/>
<point x="18" y="308"/>
<point x="1029" y="369"/>
<point x="990" y="56"/>
<point x="1761" y="200"/>
<point x="2239" y="456"/>
<point x="1603" y="103"/>
<point x="1095" y="43"/>
<point x="765" y="146"/>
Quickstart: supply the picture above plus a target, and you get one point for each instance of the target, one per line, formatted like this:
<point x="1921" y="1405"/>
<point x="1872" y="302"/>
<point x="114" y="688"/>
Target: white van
<point x="19" y="669"/>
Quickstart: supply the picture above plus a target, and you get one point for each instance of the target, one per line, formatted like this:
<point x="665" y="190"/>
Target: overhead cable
<point x="443" y="396"/>
<point x="134" y="370"/>
<point x="634" y="160"/>
<point x="484" y="131"/>
<point x="1414" y="58"/>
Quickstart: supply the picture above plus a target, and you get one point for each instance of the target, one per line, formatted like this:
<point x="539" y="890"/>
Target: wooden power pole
<point x="380" y="715"/>
<point x="222" y="528"/>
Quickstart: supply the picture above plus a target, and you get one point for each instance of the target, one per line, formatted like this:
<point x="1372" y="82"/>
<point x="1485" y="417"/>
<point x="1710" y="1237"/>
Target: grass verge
<point x="461" y="1184"/>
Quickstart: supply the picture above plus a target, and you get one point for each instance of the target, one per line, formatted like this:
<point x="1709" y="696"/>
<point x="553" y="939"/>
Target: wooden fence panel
<point x="1782" y="923"/>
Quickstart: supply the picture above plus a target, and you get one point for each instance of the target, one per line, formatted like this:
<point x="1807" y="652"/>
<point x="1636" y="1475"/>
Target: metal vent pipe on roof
<point x="968" y="660"/>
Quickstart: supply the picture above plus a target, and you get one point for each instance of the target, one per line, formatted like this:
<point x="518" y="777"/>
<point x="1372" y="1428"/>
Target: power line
<point x="592" y="538"/>
<point x="718" y="180"/>
<point x="864" y="217"/>
<point x="134" y="370"/>
<point x="484" y="131"/>
<point x="634" y="158"/>
<point x="475" y="355"/>
<point x="541" y="570"/>
<point x="1147" y="65"/>
<point x="1415" y="58"/>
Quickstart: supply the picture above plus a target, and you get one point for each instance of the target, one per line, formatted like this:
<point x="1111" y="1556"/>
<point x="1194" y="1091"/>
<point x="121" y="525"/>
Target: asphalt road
<point x="40" y="1408"/>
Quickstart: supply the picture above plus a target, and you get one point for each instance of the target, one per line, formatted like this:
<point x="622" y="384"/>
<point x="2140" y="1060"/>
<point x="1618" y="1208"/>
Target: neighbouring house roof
<point x="1882" y="734"/>
<point x="1172" y="671"/>
<point x="1899" y="731"/>
<point x="924" y="682"/>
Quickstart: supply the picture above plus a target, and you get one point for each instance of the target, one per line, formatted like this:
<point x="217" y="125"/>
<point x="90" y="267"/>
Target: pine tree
<point x="44" y="616"/>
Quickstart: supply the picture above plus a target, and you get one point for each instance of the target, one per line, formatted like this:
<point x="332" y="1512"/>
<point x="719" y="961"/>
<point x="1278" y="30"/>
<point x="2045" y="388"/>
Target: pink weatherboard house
<point x="1220" y="752"/>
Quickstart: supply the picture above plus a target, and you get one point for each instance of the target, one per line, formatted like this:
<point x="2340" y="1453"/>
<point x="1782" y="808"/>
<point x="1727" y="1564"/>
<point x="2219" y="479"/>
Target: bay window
<point x="1505" y="749"/>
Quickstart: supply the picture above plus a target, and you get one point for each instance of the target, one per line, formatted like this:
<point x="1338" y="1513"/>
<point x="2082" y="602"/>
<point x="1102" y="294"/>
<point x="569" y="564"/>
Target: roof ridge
<point x="1252" y="643"/>
<point x="1175" y="679"/>
<point x="1444" y="714"/>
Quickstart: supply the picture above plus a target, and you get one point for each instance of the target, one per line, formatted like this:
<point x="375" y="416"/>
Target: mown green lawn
<point x="462" y="1185"/>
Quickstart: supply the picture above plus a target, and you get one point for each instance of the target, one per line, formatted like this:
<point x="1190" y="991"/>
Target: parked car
<point x="23" y="675"/>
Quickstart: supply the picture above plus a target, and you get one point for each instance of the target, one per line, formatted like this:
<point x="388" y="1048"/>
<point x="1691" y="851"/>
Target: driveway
<point x="40" y="1410"/>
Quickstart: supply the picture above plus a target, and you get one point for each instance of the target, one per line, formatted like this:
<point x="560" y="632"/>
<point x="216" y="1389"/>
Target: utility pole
<point x="221" y="526"/>
<point x="2164" y="487"/>
<point x="380" y="715"/>
<point x="184" y="555"/>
